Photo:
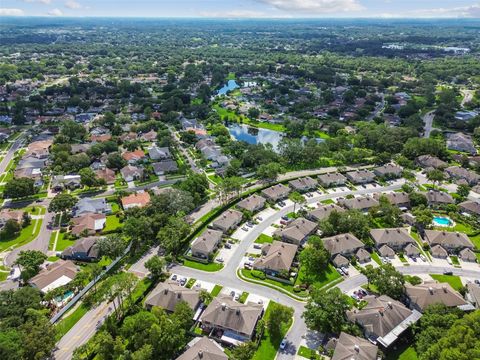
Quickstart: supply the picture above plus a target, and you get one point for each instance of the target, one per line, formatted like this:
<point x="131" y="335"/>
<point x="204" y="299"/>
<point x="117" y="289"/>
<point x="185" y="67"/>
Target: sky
<point x="244" y="8"/>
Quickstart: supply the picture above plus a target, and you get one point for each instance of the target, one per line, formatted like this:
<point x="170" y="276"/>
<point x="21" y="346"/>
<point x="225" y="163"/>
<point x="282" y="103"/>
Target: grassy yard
<point x="453" y="280"/>
<point x="214" y="178"/>
<point x="243" y="297"/>
<point x="26" y="235"/>
<point x="287" y="288"/>
<point x="262" y="239"/>
<point x="113" y="223"/>
<point x="307" y="353"/>
<point x="64" y="325"/>
<point x="216" y="290"/>
<point x="402" y="353"/>
<point x="328" y="201"/>
<point x="319" y="279"/>
<point x="63" y="242"/>
<point x="376" y="258"/>
<point x="269" y="344"/>
<point x="211" y="267"/>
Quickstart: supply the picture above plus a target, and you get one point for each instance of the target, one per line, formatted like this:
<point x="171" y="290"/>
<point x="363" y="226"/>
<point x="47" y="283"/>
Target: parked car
<point x="220" y="260"/>
<point x="257" y="246"/>
<point x="183" y="281"/>
<point x="228" y="246"/>
<point x="423" y="258"/>
<point x="247" y="266"/>
<point x="449" y="261"/>
<point x="283" y="344"/>
<point x="174" y="277"/>
<point x="447" y="272"/>
<point x="285" y="217"/>
<point x="244" y="228"/>
<point x="259" y="218"/>
<point x="232" y="293"/>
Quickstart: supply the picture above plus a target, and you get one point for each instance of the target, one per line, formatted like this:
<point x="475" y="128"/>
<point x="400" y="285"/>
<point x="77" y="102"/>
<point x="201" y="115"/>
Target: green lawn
<point x="214" y="178"/>
<point x="231" y="76"/>
<point x="319" y="279"/>
<point x="190" y="283"/>
<point x="453" y="280"/>
<point x="269" y="345"/>
<point x="328" y="201"/>
<point x="63" y="242"/>
<point x="376" y="258"/>
<point x="216" y="290"/>
<point x="287" y="288"/>
<point x="26" y="235"/>
<point x="115" y="206"/>
<point x="52" y="258"/>
<point x="113" y="223"/>
<point x="211" y="267"/>
<point x="243" y="297"/>
<point x="3" y="275"/>
<point x="262" y="239"/>
<point x="402" y="353"/>
<point x="52" y="240"/>
<point x="64" y="325"/>
<point x="307" y="353"/>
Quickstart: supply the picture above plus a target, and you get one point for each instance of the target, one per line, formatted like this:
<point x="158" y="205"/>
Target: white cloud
<point x="11" y="12"/>
<point x="315" y="6"/>
<point x="46" y="2"/>
<point x="232" y="14"/>
<point x="72" y="4"/>
<point x="55" y="12"/>
<point x="471" y="11"/>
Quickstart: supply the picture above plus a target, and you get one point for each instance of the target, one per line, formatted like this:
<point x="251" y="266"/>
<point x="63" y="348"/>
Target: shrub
<point x="258" y="274"/>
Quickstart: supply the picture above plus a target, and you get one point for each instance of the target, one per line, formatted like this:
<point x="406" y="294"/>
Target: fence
<point x="77" y="297"/>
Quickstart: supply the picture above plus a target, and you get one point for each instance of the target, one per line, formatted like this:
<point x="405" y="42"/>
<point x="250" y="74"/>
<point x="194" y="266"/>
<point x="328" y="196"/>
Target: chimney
<point x="200" y="354"/>
<point x="165" y="291"/>
<point x="430" y="289"/>
<point x="179" y="295"/>
<point x="237" y="312"/>
<point x="224" y="306"/>
<point x="444" y="287"/>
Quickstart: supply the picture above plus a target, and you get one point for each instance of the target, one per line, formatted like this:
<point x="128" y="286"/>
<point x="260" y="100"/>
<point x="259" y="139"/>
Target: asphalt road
<point x="428" y="120"/>
<point x="10" y="154"/>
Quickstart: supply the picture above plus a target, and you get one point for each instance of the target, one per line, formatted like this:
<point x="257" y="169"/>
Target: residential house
<point x="362" y="203"/>
<point x="411" y="251"/>
<point x="461" y="142"/>
<point x="88" y="223"/>
<point x="473" y="294"/>
<point x="133" y="157"/>
<point x="395" y="238"/>
<point x="203" y="348"/>
<point x="468" y="255"/>
<point x="465" y="115"/>
<point x="388" y="171"/>
<point x="206" y="244"/>
<point x="430" y="162"/>
<point x="6" y="215"/>
<point x="131" y="136"/>
<point x="297" y="231"/>
<point x="452" y="242"/>
<point x="61" y="182"/>
<point x="343" y="244"/>
<point x="106" y="174"/>
<point x="438" y="251"/>
<point x="80" y="148"/>
<point x="252" y="204"/>
<point x="230" y="321"/>
<point x="276" y="192"/>
<point x="331" y="179"/>
<point x="167" y="295"/>
<point x="470" y="207"/>
<point x="228" y="220"/>
<point x="100" y="138"/>
<point x="399" y="199"/>
<point x="159" y="153"/>
<point x="429" y="293"/>
<point x="458" y="173"/>
<point x="438" y="198"/>
<point x="383" y="319"/>
<point x="276" y="257"/>
<point x="386" y="252"/>
<point x="54" y="275"/>
<point x="39" y="149"/>
<point x="363" y="256"/>
<point x="360" y="176"/>
<point x="303" y="184"/>
<point x="165" y="167"/>
<point x="149" y="136"/>
<point x="140" y="199"/>
<point x="348" y="347"/>
<point x="84" y="249"/>
<point x="91" y="205"/>
<point x="131" y="173"/>
<point x="323" y="212"/>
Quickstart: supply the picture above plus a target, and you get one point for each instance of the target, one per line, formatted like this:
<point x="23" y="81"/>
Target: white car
<point x="283" y="344"/>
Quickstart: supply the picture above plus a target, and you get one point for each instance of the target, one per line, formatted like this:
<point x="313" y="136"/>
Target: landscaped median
<point x="246" y="275"/>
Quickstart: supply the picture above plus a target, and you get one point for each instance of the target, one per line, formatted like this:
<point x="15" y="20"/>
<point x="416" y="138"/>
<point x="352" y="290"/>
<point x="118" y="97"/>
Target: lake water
<point x="231" y="85"/>
<point x="253" y="135"/>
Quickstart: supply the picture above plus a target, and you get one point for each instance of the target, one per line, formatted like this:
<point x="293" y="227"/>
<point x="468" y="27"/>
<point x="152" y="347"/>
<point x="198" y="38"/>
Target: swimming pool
<point x="442" y="221"/>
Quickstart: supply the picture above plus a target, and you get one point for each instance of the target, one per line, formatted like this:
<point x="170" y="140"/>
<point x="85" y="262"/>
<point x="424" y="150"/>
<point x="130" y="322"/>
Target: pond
<point x="254" y="135"/>
<point x="231" y="85"/>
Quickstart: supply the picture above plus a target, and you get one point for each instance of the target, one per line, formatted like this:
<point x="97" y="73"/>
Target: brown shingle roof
<point x="342" y="243"/>
<point x="396" y="237"/>
<point x="297" y="230"/>
<point x="226" y="313"/>
<point x="447" y="239"/>
<point x="55" y="271"/>
<point x="348" y="347"/>
<point x="359" y="203"/>
<point x="470" y="206"/>
<point x="207" y="242"/>
<point x="252" y="203"/>
<point x="279" y="257"/>
<point x="168" y="294"/>
<point x="430" y="293"/>
<point x="323" y="211"/>
<point x="203" y="349"/>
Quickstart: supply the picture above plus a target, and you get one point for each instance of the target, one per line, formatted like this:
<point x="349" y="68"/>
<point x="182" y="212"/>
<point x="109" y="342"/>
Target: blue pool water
<point x="441" y="221"/>
<point x="64" y="296"/>
<point x="253" y="135"/>
<point x="231" y="85"/>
